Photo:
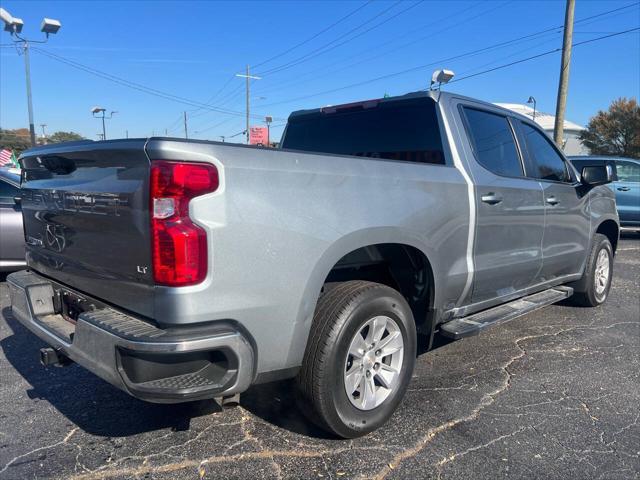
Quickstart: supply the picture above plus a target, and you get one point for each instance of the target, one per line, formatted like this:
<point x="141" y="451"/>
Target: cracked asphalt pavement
<point x="554" y="394"/>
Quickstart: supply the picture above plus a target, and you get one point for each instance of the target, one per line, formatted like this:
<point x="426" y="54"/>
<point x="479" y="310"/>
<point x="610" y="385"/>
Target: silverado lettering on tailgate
<point x="77" y="202"/>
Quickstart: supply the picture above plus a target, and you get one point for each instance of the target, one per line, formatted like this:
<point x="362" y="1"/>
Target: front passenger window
<point x="547" y="163"/>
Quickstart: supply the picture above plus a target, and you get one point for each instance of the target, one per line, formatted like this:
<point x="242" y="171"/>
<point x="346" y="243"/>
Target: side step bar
<point x="474" y="324"/>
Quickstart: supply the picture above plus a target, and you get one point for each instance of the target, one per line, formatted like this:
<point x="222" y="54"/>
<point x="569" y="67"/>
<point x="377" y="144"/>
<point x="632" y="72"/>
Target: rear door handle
<point x="491" y="198"/>
<point x="552" y="200"/>
<point x="624" y="189"/>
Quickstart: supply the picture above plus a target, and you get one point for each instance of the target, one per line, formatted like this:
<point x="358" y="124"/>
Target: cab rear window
<point x="404" y="130"/>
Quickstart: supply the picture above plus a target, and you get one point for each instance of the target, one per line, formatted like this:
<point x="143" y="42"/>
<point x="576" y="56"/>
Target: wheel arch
<point x="610" y="229"/>
<point x="388" y="239"/>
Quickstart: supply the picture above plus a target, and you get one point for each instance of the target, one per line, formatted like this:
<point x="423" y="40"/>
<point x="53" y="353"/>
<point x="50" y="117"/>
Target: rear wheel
<point x="593" y="288"/>
<point x="359" y="358"/>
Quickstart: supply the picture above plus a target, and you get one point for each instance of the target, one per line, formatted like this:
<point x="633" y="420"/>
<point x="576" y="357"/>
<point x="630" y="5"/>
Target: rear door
<point x="510" y="210"/>
<point x="627" y="190"/>
<point x="567" y="224"/>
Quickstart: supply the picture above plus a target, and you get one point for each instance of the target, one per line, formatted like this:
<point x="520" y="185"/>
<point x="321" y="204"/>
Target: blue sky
<point x="193" y="49"/>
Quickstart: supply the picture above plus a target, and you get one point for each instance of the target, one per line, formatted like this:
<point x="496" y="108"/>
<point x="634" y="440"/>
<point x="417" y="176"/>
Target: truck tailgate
<point x="86" y="219"/>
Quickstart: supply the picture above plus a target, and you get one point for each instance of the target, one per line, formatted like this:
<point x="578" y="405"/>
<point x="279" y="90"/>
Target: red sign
<point x="259" y="136"/>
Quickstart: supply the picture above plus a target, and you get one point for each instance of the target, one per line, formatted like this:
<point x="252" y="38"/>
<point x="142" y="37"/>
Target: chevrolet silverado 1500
<point x="181" y="270"/>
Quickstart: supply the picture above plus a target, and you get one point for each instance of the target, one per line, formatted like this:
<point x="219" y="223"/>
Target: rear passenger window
<point x="405" y="130"/>
<point x="493" y="142"/>
<point x="547" y="163"/>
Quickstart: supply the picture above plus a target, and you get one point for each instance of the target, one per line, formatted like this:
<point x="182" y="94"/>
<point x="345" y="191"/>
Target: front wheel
<point x="359" y="358"/>
<point x="593" y="288"/>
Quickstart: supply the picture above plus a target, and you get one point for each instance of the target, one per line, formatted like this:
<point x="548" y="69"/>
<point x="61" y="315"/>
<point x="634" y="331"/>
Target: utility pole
<point x="563" y="85"/>
<point x="248" y="79"/>
<point x="186" y="134"/>
<point x="248" y="102"/>
<point x="126" y="133"/>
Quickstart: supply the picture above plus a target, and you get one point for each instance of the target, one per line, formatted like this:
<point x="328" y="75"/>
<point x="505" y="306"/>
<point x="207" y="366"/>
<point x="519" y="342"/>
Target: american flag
<point x="6" y="157"/>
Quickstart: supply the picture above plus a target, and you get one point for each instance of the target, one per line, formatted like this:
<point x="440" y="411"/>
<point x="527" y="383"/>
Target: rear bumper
<point x="153" y="364"/>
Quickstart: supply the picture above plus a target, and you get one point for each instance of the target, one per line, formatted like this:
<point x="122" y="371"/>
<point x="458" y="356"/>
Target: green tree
<point x="16" y="140"/>
<point x="58" y="137"/>
<point x="615" y="132"/>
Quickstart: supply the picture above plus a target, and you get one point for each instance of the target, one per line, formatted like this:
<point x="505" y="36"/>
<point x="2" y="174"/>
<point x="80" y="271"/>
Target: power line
<point x="376" y="48"/>
<point x="549" y="52"/>
<point x="430" y="64"/>
<point x="324" y="48"/>
<point x="353" y="12"/>
<point x="230" y="95"/>
<point x="557" y="29"/>
<point x="313" y="37"/>
<point x="138" y="86"/>
<point x="213" y="97"/>
<point x="202" y="130"/>
<point x="410" y="43"/>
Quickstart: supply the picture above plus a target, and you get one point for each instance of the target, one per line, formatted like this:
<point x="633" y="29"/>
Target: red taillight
<point x="179" y="247"/>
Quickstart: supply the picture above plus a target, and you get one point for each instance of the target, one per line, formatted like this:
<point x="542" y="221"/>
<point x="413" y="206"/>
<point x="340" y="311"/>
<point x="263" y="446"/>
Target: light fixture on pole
<point x="533" y="100"/>
<point x="96" y="110"/>
<point x="14" y="26"/>
<point x="440" y="77"/>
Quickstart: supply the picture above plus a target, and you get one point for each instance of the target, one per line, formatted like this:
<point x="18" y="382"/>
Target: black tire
<point x="342" y="311"/>
<point x="586" y="293"/>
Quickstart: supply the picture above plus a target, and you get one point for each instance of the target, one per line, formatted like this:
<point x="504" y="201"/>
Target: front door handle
<point x="624" y="189"/>
<point x="552" y="200"/>
<point x="491" y="198"/>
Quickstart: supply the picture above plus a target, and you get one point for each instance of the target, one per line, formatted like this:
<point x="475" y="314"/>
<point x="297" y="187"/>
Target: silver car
<point x="11" y="231"/>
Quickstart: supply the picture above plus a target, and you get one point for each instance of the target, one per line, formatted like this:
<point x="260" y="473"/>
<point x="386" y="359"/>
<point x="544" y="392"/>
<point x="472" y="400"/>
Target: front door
<point x="509" y="207"/>
<point x="567" y="224"/>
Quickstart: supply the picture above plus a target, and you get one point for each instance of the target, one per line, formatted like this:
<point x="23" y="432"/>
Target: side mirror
<point x="597" y="175"/>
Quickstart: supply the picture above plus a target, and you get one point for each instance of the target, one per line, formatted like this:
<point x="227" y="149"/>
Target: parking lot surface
<point x="554" y="394"/>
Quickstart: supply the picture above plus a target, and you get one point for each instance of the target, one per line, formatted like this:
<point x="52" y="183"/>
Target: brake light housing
<point x="178" y="245"/>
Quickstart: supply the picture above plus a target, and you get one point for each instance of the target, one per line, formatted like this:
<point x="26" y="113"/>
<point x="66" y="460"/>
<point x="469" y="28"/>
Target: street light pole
<point x="95" y="110"/>
<point x="27" y="71"/>
<point x="14" y="26"/>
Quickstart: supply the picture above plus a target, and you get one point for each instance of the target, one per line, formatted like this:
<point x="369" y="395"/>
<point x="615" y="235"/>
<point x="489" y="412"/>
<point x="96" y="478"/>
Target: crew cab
<point x="180" y="270"/>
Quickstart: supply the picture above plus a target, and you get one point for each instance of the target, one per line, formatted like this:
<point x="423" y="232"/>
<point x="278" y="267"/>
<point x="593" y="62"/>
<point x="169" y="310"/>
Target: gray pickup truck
<point x="181" y="270"/>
